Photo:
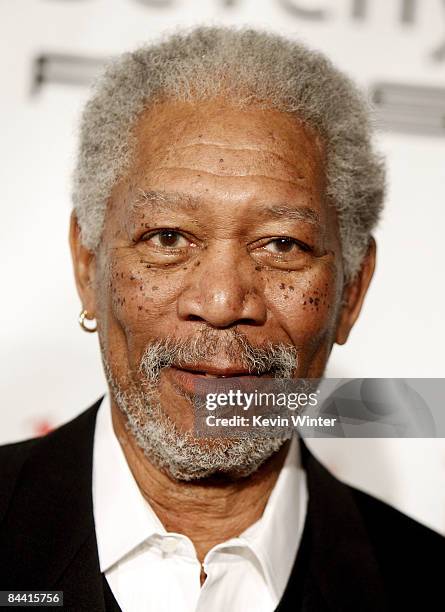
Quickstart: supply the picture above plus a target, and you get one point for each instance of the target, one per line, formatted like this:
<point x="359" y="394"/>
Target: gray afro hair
<point x="245" y="66"/>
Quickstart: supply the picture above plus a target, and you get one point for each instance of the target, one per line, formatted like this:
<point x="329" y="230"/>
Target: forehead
<point x="168" y="128"/>
<point x="218" y="153"/>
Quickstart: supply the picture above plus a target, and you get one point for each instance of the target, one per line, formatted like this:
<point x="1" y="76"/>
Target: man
<point x="224" y="198"/>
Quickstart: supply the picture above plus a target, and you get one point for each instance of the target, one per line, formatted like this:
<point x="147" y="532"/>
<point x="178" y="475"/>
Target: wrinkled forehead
<point x="252" y="134"/>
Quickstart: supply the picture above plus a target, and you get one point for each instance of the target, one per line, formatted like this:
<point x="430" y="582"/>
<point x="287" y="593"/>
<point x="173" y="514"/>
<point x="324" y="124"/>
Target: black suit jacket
<point x="356" y="554"/>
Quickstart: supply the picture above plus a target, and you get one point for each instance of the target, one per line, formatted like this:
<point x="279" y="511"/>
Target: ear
<point x="84" y="263"/>
<point x="354" y="294"/>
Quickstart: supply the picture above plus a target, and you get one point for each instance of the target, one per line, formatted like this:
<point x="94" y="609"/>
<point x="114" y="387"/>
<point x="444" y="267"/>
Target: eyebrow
<point x="287" y="211"/>
<point x="162" y="200"/>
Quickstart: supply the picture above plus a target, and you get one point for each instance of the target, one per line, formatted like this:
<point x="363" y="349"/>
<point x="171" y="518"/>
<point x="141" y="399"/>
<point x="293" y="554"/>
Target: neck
<point x="208" y="511"/>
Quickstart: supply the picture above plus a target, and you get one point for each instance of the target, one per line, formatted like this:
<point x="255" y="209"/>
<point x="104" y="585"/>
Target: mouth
<point x="190" y="378"/>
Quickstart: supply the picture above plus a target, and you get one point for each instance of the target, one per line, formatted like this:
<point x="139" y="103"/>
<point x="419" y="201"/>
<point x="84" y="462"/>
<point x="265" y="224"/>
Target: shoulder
<point x="385" y="526"/>
<point x="14" y="454"/>
<point x="386" y="523"/>
<point x="35" y="459"/>
<point x="409" y="555"/>
<point x="12" y="459"/>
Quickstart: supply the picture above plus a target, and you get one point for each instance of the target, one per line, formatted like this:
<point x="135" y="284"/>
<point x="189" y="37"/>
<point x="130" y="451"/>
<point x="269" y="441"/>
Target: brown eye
<point x="284" y="245"/>
<point x="167" y="239"/>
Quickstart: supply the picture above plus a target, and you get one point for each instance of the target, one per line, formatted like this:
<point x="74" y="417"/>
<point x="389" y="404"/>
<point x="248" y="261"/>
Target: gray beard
<point x="180" y="454"/>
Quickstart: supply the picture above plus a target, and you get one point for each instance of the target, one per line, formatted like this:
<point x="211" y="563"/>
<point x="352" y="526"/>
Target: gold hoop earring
<point x="84" y="316"/>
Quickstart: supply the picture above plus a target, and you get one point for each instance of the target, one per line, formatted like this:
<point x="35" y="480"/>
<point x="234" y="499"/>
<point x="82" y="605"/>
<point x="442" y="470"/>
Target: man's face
<point x="221" y="225"/>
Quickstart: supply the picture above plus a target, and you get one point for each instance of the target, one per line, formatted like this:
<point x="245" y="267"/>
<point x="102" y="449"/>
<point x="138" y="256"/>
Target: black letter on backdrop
<point x="291" y="7"/>
<point x="359" y="9"/>
<point x="407" y="11"/>
<point x="438" y="54"/>
<point x="156" y="3"/>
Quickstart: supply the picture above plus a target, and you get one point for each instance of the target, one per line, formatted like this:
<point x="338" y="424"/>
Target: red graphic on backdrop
<point x="42" y="427"/>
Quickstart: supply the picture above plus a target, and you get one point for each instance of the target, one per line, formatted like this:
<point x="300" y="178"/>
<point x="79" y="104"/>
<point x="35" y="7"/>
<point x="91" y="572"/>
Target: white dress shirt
<point x="150" y="569"/>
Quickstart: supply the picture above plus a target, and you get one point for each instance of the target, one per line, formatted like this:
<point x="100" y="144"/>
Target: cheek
<point x="140" y="298"/>
<point x="305" y="305"/>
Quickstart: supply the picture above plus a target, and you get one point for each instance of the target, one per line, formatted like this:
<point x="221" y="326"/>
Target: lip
<point x="191" y="379"/>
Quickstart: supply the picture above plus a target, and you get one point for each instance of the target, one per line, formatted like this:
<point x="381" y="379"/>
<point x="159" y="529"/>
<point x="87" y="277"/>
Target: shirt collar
<point x="275" y="538"/>
<point x="124" y="519"/>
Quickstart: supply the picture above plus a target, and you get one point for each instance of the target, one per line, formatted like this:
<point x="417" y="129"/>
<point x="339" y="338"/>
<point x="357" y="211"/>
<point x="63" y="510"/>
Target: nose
<point x="221" y="292"/>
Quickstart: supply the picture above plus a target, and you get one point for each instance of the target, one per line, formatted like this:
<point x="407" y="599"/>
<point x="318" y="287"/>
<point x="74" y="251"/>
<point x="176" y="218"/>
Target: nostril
<point x="193" y="317"/>
<point x="248" y="321"/>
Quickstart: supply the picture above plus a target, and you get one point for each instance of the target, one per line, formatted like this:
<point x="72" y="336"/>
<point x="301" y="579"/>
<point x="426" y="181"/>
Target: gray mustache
<point x="279" y="360"/>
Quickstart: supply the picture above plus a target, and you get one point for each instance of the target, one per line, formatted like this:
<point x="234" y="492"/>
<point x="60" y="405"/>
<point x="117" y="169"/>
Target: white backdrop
<point x="50" y="371"/>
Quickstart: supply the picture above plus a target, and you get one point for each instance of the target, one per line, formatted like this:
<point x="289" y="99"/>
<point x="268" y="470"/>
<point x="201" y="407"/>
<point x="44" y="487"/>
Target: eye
<point x="167" y="239"/>
<point x="284" y="245"/>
